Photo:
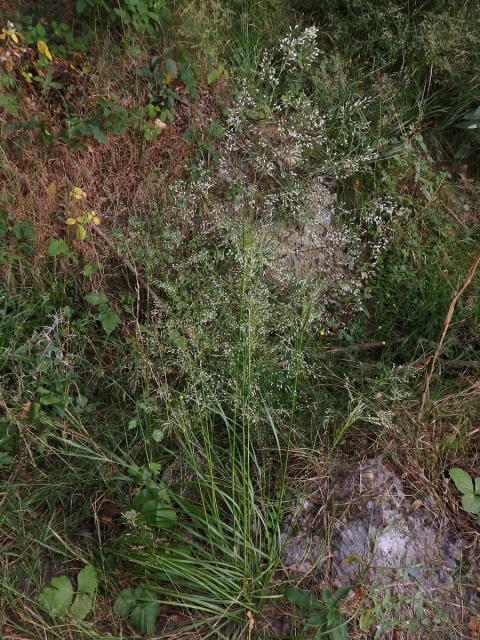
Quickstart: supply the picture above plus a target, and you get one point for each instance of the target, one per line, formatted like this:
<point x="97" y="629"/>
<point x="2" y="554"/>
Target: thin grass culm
<point x="223" y="549"/>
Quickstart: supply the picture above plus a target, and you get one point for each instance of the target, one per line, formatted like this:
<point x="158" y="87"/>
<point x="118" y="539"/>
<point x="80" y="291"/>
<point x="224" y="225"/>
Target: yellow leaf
<point x="44" y="50"/>
<point x="28" y="76"/>
<point x="96" y="220"/>
<point x="13" y="36"/>
<point x="77" y="193"/>
<point x="71" y="221"/>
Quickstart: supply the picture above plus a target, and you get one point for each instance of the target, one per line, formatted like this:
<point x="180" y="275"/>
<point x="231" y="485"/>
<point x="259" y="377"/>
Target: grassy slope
<point x="199" y="399"/>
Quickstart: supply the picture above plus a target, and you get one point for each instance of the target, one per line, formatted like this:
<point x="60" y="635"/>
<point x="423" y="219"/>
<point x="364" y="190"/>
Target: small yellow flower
<point x="383" y="342"/>
<point x="28" y="76"/>
<point x="322" y="332"/>
<point x="77" y="193"/>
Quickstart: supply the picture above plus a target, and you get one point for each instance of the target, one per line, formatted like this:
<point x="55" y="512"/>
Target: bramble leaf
<point x="81" y="607"/>
<point x="87" y="579"/>
<point x="124" y="603"/>
<point x="145" y="613"/>
<point x="57" y="598"/>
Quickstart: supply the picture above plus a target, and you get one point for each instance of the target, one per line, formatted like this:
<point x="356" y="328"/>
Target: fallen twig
<point x="446" y="324"/>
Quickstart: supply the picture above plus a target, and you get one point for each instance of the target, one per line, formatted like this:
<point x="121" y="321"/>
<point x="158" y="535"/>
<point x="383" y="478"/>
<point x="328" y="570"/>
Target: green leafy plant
<point x="153" y="507"/>
<point x="469" y="488"/>
<point x="140" y="606"/>
<point x="324" y="614"/>
<point x="58" y="599"/>
<point x="109" y="117"/>
<point x="58" y="247"/>
<point x="141" y="15"/>
<point x="108" y="318"/>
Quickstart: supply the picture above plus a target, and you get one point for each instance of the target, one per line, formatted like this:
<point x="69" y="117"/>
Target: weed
<point x="469" y="488"/>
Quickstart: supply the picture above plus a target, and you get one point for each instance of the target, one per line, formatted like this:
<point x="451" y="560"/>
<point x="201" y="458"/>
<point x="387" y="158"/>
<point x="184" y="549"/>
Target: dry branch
<point x="446" y="324"/>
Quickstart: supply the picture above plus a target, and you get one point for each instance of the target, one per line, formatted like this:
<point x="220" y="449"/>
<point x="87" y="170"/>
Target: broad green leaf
<point x="88" y="269"/>
<point x="80" y="6"/>
<point x="337" y="625"/>
<point x="87" y="580"/>
<point x="110" y="320"/>
<point x="80" y="232"/>
<point x="158" y="435"/>
<point x="57" y="598"/>
<point x="171" y="67"/>
<point x="477" y="486"/>
<point x="96" y="297"/>
<point x="471" y="503"/>
<point x="98" y="134"/>
<point x="340" y="593"/>
<point x="58" y="247"/>
<point x="145" y="613"/>
<point x="316" y="619"/>
<point x="215" y="73"/>
<point x="125" y="602"/>
<point x="81" y="607"/>
<point x="23" y="230"/>
<point x="156" y="513"/>
<point x="301" y="598"/>
<point x="462" y="480"/>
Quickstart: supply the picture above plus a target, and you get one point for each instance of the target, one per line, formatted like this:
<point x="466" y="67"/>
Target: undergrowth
<point x="229" y="236"/>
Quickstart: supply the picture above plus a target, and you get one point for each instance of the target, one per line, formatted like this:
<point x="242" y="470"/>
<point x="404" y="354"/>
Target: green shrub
<point x="141" y="15"/>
